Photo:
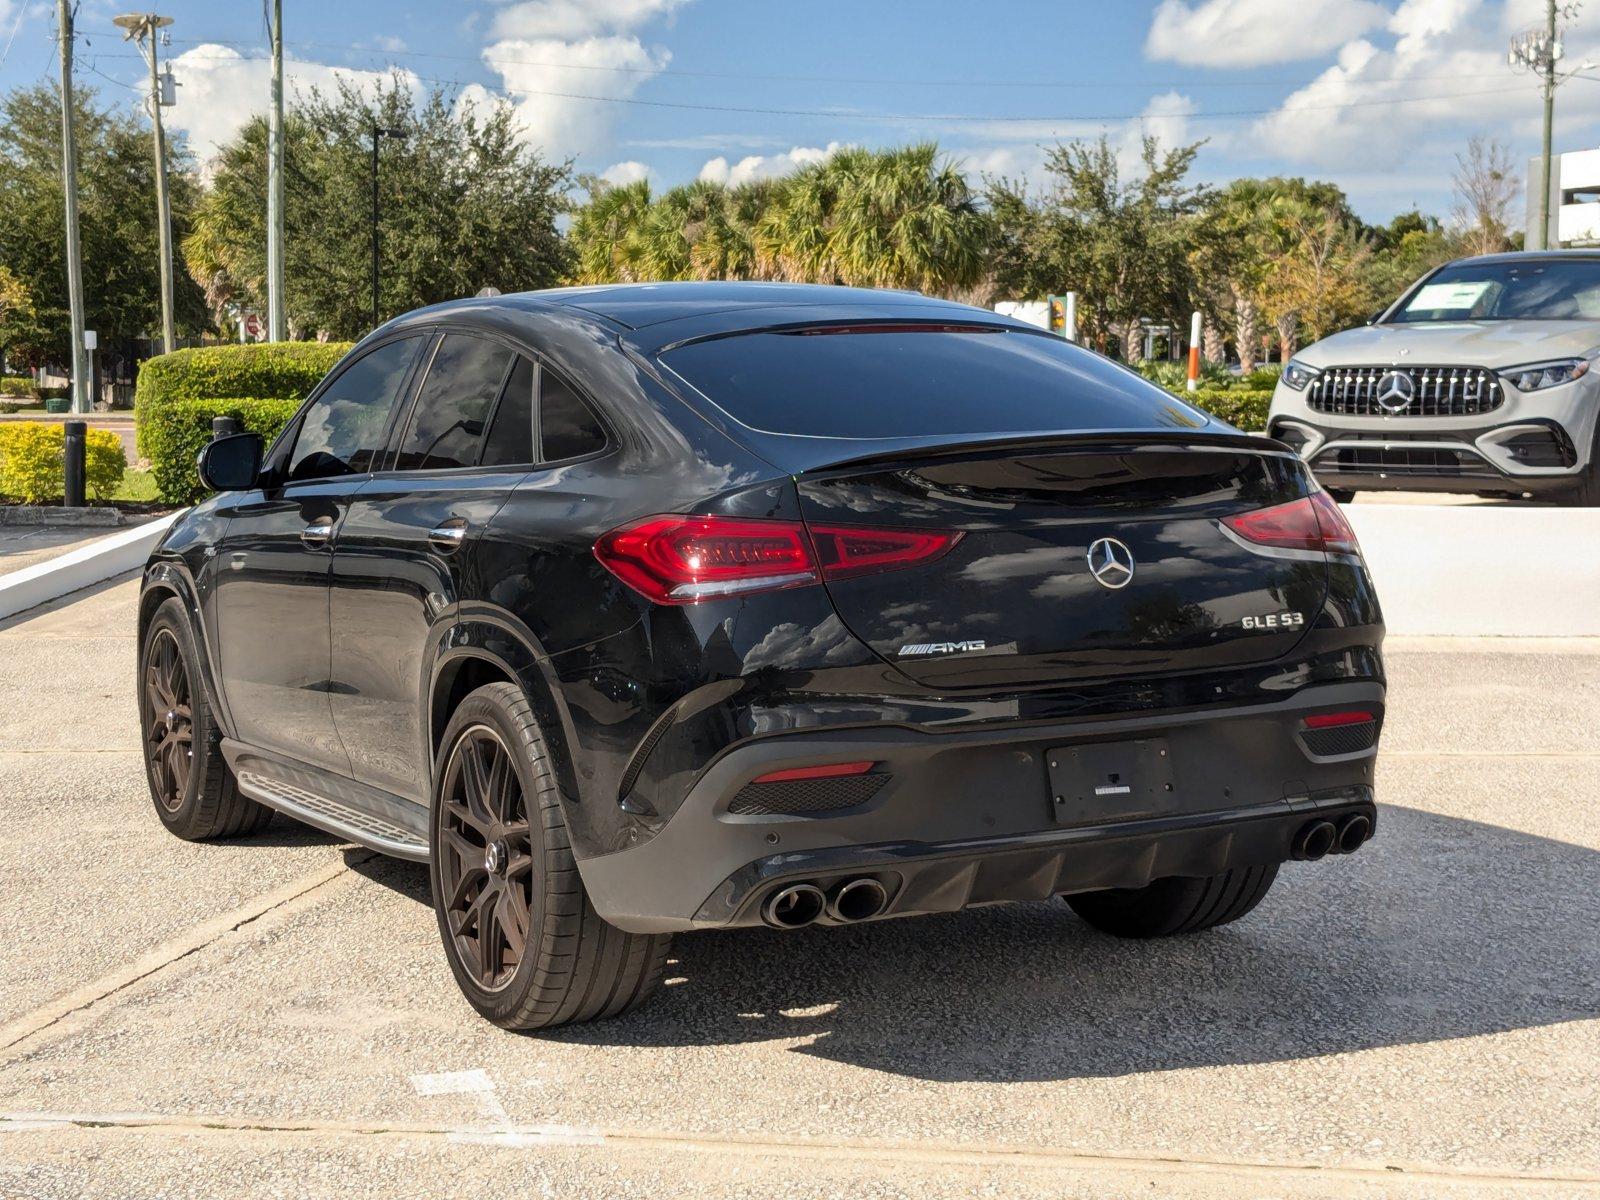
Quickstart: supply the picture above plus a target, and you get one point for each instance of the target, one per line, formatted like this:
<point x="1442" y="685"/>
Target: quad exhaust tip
<point x="794" y="907"/>
<point x="858" y="900"/>
<point x="1314" y="841"/>
<point x="1354" y="830"/>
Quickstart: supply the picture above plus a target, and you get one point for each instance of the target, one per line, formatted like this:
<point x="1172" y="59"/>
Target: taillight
<point x="680" y="560"/>
<point x="1313" y="522"/>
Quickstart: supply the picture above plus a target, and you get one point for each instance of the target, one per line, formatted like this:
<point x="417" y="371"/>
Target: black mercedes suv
<point x="632" y="610"/>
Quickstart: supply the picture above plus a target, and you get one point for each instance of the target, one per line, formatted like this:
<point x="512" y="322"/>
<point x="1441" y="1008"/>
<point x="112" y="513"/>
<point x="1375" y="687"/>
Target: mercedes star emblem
<point x="1111" y="563"/>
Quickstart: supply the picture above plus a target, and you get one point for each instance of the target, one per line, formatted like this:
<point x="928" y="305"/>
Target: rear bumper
<point x="969" y="818"/>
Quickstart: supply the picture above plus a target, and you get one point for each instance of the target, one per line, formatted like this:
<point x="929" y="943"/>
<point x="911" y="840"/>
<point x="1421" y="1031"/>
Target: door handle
<point x="318" y="532"/>
<point x="447" y="537"/>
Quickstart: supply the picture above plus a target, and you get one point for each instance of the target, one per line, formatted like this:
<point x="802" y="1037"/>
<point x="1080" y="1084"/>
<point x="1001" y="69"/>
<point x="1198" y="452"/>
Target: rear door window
<point x="908" y="380"/>
<point x="452" y="408"/>
<point x="510" y="440"/>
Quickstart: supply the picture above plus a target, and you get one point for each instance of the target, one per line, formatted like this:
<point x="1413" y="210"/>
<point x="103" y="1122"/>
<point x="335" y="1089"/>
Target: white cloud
<point x="623" y="173"/>
<point x="219" y="89"/>
<point x="1443" y="78"/>
<point x="572" y="19"/>
<point x="553" y="55"/>
<point x="766" y="166"/>
<point x="1247" y="33"/>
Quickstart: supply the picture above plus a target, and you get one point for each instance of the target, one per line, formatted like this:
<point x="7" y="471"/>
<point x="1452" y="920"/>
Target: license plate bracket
<point x="1104" y="781"/>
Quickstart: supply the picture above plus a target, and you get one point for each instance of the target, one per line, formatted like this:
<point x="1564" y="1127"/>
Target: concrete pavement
<point x="274" y="1015"/>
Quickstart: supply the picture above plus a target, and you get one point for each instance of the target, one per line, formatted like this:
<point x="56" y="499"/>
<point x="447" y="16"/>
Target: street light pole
<point x="378" y="132"/>
<point x="79" y="358"/>
<point x="142" y="27"/>
<point x="1539" y="51"/>
<point x="275" y="330"/>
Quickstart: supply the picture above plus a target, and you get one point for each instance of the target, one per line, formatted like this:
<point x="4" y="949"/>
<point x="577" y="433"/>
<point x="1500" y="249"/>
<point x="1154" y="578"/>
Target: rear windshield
<point x="900" y="381"/>
<point x="1535" y="290"/>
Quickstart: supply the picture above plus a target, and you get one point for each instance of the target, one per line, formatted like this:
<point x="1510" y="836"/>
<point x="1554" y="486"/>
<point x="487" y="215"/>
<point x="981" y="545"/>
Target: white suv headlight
<point x="1535" y="376"/>
<point x="1297" y="375"/>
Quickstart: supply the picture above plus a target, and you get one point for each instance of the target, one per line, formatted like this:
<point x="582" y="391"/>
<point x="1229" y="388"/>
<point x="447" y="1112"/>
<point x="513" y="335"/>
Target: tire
<point x="1587" y="493"/>
<point x="1179" y="904"/>
<point x="1342" y="495"/>
<point x="190" y="784"/>
<point x="497" y="873"/>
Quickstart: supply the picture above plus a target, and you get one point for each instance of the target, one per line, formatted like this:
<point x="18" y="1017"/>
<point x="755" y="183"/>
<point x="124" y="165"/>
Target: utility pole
<point x="79" y="365"/>
<point x="1538" y="51"/>
<point x="142" y="27"/>
<point x="275" y="331"/>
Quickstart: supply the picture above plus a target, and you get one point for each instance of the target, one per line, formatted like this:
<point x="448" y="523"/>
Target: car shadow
<point x="1441" y="928"/>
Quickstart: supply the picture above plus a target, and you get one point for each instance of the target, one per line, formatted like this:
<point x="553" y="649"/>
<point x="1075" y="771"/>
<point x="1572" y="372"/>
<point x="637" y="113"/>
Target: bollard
<point x="74" y="464"/>
<point x="222" y="427"/>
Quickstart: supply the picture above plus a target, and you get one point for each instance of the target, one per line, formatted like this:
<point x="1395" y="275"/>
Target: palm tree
<point x="605" y="233"/>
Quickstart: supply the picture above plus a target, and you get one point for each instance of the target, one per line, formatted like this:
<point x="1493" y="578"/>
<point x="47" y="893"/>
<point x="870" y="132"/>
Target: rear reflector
<point x="1313" y="522"/>
<point x="681" y="560"/>
<point x="1333" y="720"/>
<point x="830" y="771"/>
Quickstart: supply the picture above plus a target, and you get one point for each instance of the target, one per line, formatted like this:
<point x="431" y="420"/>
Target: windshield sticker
<point x="1449" y="295"/>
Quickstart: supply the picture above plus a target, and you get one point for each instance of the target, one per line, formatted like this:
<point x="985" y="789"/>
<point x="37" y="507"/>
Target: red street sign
<point x="252" y="325"/>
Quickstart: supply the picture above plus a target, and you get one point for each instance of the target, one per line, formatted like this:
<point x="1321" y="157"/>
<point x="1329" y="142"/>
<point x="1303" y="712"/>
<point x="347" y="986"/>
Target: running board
<point x="363" y="815"/>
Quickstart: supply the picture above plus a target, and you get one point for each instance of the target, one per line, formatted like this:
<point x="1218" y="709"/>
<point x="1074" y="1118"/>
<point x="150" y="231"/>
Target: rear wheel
<point x="523" y="941"/>
<point x="194" y="792"/>
<point x="1179" y="904"/>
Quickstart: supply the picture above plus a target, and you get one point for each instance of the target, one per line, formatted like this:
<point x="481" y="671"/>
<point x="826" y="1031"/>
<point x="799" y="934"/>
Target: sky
<point x="1378" y="96"/>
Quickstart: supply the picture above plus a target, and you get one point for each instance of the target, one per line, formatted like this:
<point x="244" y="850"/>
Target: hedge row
<point x="1243" y="408"/>
<point x="275" y="371"/>
<point x="173" y="436"/>
<point x="32" y="462"/>
<point x="19" y="387"/>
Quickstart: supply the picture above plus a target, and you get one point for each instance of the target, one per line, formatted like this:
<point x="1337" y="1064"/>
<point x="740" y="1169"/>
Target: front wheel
<point x="194" y="792"/>
<point x="1178" y="904"/>
<point x="525" y="944"/>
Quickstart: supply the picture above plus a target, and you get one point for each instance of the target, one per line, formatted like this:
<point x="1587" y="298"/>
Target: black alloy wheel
<point x="486" y="857"/>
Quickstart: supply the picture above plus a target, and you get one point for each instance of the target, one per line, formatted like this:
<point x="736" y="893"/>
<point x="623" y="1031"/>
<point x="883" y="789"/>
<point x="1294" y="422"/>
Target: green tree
<point x="464" y="204"/>
<point x="116" y="220"/>
<point x="1122" y="243"/>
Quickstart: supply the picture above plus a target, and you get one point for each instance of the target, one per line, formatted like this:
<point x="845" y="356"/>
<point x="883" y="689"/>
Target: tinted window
<point x="567" y="428"/>
<point x="867" y="382"/>
<point x="447" y="421"/>
<point x="343" y="431"/>
<point x="1531" y="290"/>
<point x="510" y="440"/>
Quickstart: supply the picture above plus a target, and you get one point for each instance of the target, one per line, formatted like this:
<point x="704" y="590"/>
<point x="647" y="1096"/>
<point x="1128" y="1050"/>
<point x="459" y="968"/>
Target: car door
<point x="271" y="599"/>
<point x="397" y="569"/>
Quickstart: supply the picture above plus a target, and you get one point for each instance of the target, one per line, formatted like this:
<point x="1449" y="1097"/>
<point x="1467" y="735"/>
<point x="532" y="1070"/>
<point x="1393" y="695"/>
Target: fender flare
<point x="167" y="579"/>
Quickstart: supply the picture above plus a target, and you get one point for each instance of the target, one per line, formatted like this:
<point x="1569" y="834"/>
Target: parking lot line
<point x="924" y="1152"/>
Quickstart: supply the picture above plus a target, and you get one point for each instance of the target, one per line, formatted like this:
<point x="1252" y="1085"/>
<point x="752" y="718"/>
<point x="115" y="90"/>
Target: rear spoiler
<point x="1132" y="440"/>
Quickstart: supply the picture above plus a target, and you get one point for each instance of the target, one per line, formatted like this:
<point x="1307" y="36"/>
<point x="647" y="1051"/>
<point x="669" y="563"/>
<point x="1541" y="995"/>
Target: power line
<point x="918" y="118"/>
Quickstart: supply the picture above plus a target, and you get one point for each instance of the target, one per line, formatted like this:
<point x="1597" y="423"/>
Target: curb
<point x="1477" y="571"/>
<point x="113" y="555"/>
<point x="57" y="514"/>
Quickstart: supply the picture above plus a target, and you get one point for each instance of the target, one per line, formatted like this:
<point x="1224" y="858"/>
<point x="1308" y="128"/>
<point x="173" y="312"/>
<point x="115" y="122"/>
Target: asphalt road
<point x="274" y="1017"/>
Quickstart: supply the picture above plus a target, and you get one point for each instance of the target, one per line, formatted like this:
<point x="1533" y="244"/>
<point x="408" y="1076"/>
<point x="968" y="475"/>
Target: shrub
<point x="1244" y="408"/>
<point x="1263" y="377"/>
<point x="32" y="458"/>
<point x="19" y="386"/>
<point x="176" y="433"/>
<point x="275" y="371"/>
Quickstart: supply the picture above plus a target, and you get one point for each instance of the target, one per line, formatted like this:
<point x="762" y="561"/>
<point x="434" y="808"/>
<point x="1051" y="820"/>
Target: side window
<point x="453" y="404"/>
<point x="510" y="440"/>
<point x="343" y="431"/>
<point x="567" y="427"/>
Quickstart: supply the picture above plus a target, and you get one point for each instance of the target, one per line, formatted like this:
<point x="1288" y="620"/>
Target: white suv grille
<point x="1435" y="392"/>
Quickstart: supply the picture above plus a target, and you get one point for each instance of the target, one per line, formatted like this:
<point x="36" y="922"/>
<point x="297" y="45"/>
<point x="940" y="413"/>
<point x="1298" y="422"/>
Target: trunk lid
<point x="1015" y="601"/>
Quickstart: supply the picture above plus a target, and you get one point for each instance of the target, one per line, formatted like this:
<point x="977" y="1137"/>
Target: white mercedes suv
<point x="1477" y="380"/>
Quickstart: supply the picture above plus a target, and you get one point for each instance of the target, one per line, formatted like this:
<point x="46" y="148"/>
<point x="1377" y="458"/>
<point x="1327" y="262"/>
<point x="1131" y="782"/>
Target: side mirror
<point x="231" y="464"/>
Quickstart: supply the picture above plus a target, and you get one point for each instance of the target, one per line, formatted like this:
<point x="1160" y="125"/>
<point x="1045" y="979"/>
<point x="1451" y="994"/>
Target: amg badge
<point x="915" y="648"/>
